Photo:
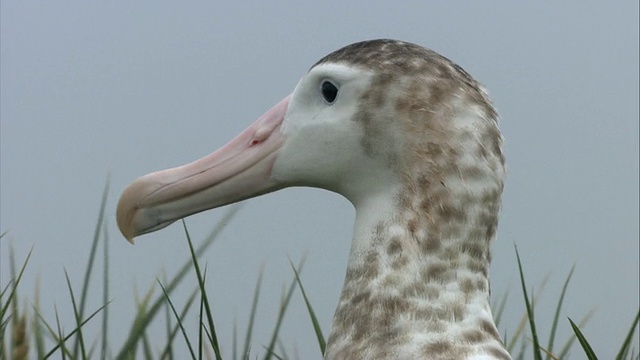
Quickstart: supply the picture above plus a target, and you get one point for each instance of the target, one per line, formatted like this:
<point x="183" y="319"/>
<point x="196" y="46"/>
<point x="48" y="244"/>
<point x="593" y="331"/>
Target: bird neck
<point x="416" y="282"/>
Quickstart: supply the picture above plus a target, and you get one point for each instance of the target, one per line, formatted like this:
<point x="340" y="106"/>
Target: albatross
<point x="412" y="141"/>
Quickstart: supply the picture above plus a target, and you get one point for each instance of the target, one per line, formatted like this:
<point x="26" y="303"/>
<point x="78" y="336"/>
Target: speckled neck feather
<point x="417" y="282"/>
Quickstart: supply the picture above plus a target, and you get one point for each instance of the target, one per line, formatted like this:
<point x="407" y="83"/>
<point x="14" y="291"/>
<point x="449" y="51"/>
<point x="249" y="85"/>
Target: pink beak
<point x="239" y="170"/>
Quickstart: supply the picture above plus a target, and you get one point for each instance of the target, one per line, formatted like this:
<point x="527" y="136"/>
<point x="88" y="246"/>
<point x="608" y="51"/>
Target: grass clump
<point x="625" y="352"/>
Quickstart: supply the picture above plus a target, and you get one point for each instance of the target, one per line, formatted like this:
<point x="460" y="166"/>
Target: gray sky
<point x="131" y="87"/>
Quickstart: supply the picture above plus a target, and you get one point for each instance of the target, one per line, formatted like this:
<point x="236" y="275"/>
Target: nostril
<point x="261" y="135"/>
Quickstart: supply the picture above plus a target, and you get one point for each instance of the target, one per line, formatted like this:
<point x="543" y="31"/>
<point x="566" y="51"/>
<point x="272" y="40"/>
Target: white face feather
<point x="324" y="143"/>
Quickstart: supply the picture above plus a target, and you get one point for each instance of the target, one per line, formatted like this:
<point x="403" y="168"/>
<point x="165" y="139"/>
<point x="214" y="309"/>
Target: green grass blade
<point x="200" y="326"/>
<point x="89" y="352"/>
<point x="167" y="352"/>
<point x="141" y="319"/>
<point x="537" y="354"/>
<point x="252" y="316"/>
<point x="61" y="341"/>
<point x="92" y="254"/>
<point x="104" y="345"/>
<point x="204" y="328"/>
<point x="175" y="313"/>
<point x="282" y="350"/>
<point x="283" y="308"/>
<point x="583" y="342"/>
<point x="11" y="299"/>
<point x="52" y="333"/>
<point x="146" y="347"/>
<point x="92" y="349"/>
<point x="3" y="350"/>
<point x="140" y="322"/>
<point x="6" y="288"/>
<point x="137" y="328"/>
<point x="37" y="325"/>
<point x="626" y="344"/>
<point x="207" y="307"/>
<point x="567" y="346"/>
<point x="500" y="308"/>
<point x="523" y="347"/>
<point x="15" y="313"/>
<point x="169" y="347"/>
<point x="556" y="317"/>
<point x="76" y="314"/>
<point x="518" y="334"/>
<point x="550" y="355"/>
<point x="314" y="319"/>
<point x="271" y="353"/>
<point x="234" y="339"/>
<point x="4" y="322"/>
<point x="16" y="282"/>
<point x="63" y="353"/>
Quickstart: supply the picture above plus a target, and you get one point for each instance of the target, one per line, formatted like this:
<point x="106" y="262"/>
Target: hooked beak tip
<point x="125" y="212"/>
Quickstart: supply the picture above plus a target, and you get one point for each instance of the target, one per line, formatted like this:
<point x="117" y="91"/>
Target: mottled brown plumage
<point x="452" y="167"/>
<point x="412" y="140"/>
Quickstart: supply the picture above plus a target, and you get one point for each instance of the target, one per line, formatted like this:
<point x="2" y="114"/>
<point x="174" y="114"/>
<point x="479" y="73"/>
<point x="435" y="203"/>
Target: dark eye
<point x="329" y="91"/>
